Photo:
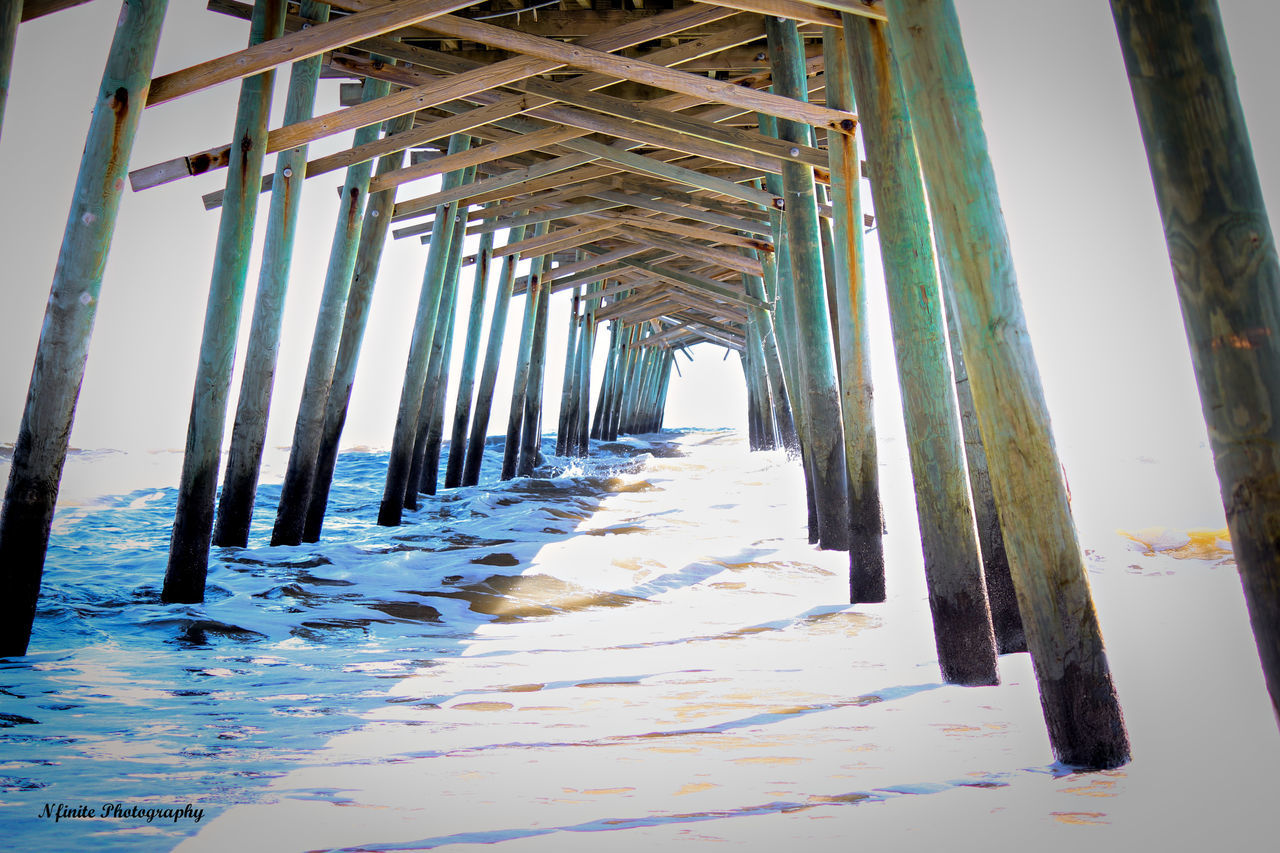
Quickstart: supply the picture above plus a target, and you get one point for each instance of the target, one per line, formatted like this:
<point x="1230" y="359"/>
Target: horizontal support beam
<point x="293" y="47"/>
<point x="579" y="56"/>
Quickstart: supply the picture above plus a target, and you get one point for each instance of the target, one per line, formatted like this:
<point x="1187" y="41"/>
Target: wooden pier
<point x="684" y="174"/>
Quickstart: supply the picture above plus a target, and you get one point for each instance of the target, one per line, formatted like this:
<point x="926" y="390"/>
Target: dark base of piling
<point x="22" y="551"/>
<point x="1005" y="616"/>
<point x="235" y="514"/>
<point x="1086" y="728"/>
<point x="964" y="640"/>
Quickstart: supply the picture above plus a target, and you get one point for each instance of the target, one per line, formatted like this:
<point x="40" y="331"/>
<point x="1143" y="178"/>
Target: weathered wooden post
<point x="373" y="235"/>
<point x="438" y="373"/>
<point x="953" y="568"/>
<point x="566" y="384"/>
<point x="531" y="432"/>
<point x="610" y="396"/>
<point x="424" y="327"/>
<point x="470" y="356"/>
<point x="582" y="353"/>
<point x="424" y="472"/>
<point x="772" y="360"/>
<point x="852" y="333"/>
<point x="1001" y="596"/>
<point x="1085" y="725"/>
<point x="1226" y="271"/>
<point x="308" y="430"/>
<point x="606" y="383"/>
<point x="193" y="520"/>
<point x="654" y="395"/>
<point x="755" y="402"/>
<point x="660" y="413"/>
<point x="426" y="467"/>
<point x="622" y="379"/>
<point x="492" y="356"/>
<point x="582" y="433"/>
<point x="817" y="361"/>
<point x="779" y="283"/>
<point x="519" y="387"/>
<point x="41" y="447"/>
<point x="636" y="378"/>
<point x="249" y="433"/>
<point x="10" y="17"/>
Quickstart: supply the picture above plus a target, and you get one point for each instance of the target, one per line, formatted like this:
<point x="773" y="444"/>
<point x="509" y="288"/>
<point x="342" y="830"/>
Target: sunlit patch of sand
<point x="482" y="706"/>
<point x="960" y="730"/>
<point x="1096" y="786"/>
<point x="523" y="596"/>
<point x="1195" y="544"/>
<point x="673" y="750"/>
<point x="1081" y="818"/>
<point x="694" y="788"/>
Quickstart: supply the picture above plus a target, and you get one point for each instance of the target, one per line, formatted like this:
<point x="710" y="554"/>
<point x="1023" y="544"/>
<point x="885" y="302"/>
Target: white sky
<point x="1064" y="141"/>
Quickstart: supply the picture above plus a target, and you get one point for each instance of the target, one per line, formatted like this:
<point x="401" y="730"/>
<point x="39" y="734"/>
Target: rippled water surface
<point x="626" y="652"/>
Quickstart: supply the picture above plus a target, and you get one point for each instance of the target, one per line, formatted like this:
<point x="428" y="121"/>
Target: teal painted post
<point x="492" y="357"/>
<point x="45" y="431"/>
<point x="816" y="358"/>
<point x="635" y="381"/>
<point x="193" y="520"/>
<point x="782" y="291"/>
<point x="606" y="382"/>
<point x="756" y="430"/>
<point x="424" y="327"/>
<point x="426" y="471"/>
<point x="470" y="357"/>
<point x="531" y="432"/>
<point x="609" y="398"/>
<point x="852" y="334"/>
<point x="634" y="418"/>
<point x="655" y="388"/>
<point x="249" y="434"/>
<point x="567" y="415"/>
<point x="760" y="407"/>
<point x="1001" y="596"/>
<point x="373" y="236"/>
<point x="1085" y="726"/>
<point x="519" y="386"/>
<point x="1226" y="271"/>
<point x="626" y="390"/>
<point x="582" y="446"/>
<point x="10" y="17"/>
<point x="573" y="401"/>
<point x="308" y="430"/>
<point x="666" y="387"/>
<point x="649" y="414"/>
<point x="630" y="378"/>
<point x="622" y="379"/>
<point x="434" y="393"/>
<point x="782" y="417"/>
<point x="962" y="625"/>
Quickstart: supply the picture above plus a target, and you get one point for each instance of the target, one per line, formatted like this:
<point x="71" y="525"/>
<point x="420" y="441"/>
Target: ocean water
<point x="625" y="652"/>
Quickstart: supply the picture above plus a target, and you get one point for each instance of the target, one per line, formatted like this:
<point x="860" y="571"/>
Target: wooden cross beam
<point x="653" y="223"/>
<point x="302" y="44"/>
<point x="686" y="212"/>
<point x="581" y="56"/>
<point x="462" y="85"/>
